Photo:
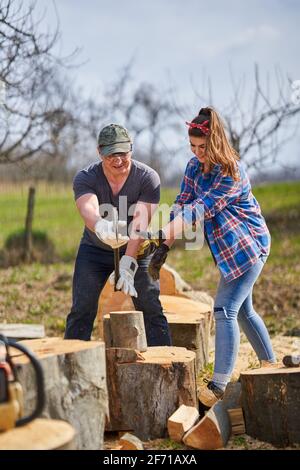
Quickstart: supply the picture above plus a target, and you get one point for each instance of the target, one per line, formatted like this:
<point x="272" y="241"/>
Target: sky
<point x="179" y="43"/>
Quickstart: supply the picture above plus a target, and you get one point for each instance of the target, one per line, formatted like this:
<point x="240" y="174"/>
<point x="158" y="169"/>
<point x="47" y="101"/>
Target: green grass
<point x="278" y="196"/>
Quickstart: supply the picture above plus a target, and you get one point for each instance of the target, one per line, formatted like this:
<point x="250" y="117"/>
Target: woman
<point x="215" y="183"/>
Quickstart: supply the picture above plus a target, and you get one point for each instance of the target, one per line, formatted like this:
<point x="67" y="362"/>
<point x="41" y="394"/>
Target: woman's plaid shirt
<point x="234" y="227"/>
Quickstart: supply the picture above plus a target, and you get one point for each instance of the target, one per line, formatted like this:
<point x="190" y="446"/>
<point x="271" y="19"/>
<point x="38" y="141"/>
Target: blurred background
<point x="67" y="68"/>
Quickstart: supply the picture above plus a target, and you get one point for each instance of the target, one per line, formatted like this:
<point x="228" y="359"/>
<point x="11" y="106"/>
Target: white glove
<point x="104" y="229"/>
<point x="128" y="268"/>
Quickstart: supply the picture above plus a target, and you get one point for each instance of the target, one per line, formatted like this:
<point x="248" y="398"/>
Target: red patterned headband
<point x="203" y="126"/>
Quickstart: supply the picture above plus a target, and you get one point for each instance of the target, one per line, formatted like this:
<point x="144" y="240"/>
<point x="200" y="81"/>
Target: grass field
<point x="42" y="293"/>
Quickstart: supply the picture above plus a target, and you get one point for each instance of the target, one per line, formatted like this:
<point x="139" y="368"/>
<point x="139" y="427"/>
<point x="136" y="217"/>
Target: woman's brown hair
<point x="219" y="151"/>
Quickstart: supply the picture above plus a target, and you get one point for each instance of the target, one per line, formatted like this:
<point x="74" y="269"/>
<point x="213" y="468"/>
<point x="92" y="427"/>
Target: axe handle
<point x="117" y="266"/>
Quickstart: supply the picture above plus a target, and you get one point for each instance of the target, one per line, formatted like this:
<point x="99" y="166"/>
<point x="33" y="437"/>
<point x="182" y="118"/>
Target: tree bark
<point x="128" y="330"/>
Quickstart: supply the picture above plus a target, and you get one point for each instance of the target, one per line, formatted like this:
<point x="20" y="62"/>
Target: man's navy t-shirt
<point x="142" y="184"/>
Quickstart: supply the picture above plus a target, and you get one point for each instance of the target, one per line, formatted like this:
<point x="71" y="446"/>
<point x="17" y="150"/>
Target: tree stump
<point x="146" y="388"/>
<point x="127" y="330"/>
<point x="271" y="404"/>
<point x="75" y="385"/>
<point x="40" y="434"/>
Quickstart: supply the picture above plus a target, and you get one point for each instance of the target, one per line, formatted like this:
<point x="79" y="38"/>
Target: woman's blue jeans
<point x="92" y="268"/>
<point x="233" y="307"/>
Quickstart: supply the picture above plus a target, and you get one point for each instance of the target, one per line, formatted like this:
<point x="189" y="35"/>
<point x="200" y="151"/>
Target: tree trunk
<point x="271" y="404"/>
<point x="75" y="385"/>
<point x="146" y="388"/>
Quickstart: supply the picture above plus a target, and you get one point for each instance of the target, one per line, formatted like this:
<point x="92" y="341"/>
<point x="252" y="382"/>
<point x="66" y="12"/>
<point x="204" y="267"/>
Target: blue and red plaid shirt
<point x="234" y="227"/>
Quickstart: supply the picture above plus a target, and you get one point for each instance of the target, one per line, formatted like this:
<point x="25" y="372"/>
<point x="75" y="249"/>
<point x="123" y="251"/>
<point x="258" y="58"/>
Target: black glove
<point x="158" y="259"/>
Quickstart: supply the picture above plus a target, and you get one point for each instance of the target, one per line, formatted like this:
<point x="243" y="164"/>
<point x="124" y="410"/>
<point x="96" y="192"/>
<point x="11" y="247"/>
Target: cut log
<point x="181" y="421"/>
<point x="127" y="330"/>
<point x="130" y="442"/>
<point x="20" y="331"/>
<point x="40" y="434"/>
<point x="146" y="388"/>
<point x="214" y="429"/>
<point x="75" y="385"/>
<point x="271" y="404"/>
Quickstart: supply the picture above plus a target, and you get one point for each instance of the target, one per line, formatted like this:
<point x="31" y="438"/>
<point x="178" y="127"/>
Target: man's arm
<point x="142" y="216"/>
<point x="89" y="209"/>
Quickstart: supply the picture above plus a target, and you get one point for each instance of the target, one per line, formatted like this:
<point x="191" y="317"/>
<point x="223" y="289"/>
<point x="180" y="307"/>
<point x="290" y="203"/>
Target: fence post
<point x="28" y="225"/>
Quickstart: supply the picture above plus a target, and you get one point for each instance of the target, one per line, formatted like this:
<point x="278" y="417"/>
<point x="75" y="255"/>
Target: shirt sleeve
<point x="222" y="193"/>
<point x="150" y="191"/>
<point x="82" y="184"/>
<point x="186" y="194"/>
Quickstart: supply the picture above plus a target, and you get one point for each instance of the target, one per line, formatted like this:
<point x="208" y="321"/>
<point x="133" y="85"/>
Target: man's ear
<point x="98" y="150"/>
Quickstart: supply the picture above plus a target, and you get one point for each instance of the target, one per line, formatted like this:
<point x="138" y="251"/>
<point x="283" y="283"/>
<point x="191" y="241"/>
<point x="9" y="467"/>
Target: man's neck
<point x="115" y="178"/>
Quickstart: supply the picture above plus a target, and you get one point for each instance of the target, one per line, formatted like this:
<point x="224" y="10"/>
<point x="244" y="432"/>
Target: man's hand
<point x="128" y="268"/>
<point x="158" y="259"/>
<point x="105" y="231"/>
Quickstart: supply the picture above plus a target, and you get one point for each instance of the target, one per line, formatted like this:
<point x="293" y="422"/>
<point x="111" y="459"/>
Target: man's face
<point x="198" y="147"/>
<point x="117" y="163"/>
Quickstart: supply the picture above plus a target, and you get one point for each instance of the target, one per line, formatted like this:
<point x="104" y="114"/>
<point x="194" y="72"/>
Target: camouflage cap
<point x="114" y="139"/>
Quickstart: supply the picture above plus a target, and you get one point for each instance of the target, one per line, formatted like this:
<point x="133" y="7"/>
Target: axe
<point x="116" y="250"/>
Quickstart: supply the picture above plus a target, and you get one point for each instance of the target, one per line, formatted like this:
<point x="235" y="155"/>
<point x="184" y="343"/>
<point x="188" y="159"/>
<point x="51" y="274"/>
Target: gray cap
<point x="114" y="139"/>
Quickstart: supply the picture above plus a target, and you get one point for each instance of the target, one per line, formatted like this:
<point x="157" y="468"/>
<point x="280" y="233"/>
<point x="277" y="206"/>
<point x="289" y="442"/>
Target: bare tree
<point x="261" y="123"/>
<point x="31" y="111"/>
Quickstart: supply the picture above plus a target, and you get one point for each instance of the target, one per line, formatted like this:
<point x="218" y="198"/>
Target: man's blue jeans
<point x="233" y="307"/>
<point x="92" y="269"/>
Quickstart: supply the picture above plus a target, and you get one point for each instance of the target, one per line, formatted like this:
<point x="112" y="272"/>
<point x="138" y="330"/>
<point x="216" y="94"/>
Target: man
<point x="133" y="189"/>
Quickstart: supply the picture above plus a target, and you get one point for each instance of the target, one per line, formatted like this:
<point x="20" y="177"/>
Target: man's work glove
<point x="106" y="232"/>
<point x="128" y="268"/>
<point x="157" y="260"/>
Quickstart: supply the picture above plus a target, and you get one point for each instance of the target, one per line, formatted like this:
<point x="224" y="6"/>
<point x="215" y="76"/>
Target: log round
<point x="75" y="385"/>
<point x="128" y="330"/>
<point x="146" y="388"/>
<point x="271" y="404"/>
<point x="40" y="434"/>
